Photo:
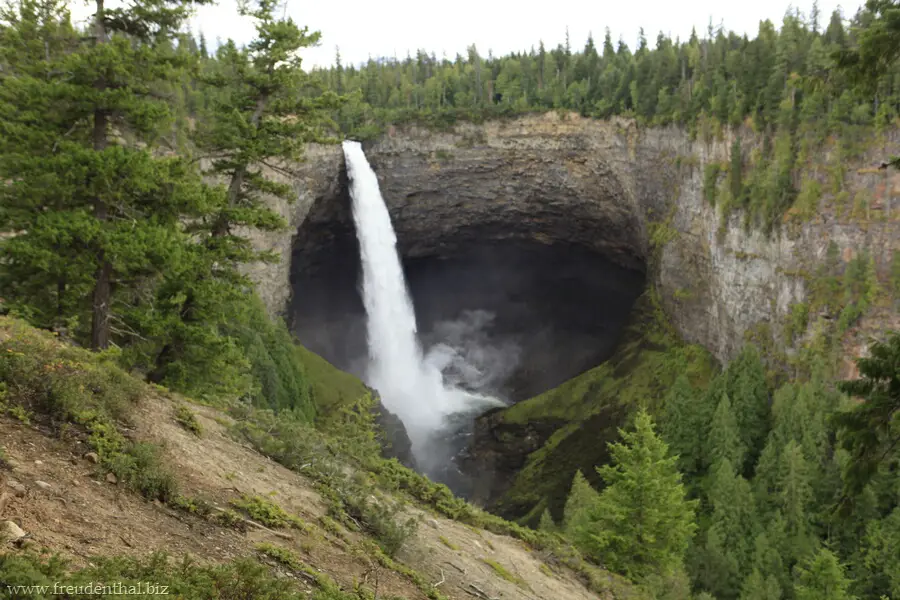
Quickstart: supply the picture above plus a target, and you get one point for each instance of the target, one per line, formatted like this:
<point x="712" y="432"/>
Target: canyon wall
<point x="634" y="195"/>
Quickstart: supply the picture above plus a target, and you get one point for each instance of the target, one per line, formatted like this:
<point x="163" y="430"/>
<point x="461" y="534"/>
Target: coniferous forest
<point x="135" y="158"/>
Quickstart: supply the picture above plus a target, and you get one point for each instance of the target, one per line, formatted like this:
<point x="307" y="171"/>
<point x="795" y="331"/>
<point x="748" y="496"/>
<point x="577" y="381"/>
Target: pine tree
<point x="822" y="578"/>
<point x="642" y="522"/>
<point x="579" y="511"/>
<point x="683" y="418"/>
<point x="116" y="205"/>
<point x="757" y="587"/>
<point x="724" y="440"/>
<point x="732" y="529"/>
<point x="262" y="115"/>
<point x="869" y="429"/>
<point x="547" y="523"/>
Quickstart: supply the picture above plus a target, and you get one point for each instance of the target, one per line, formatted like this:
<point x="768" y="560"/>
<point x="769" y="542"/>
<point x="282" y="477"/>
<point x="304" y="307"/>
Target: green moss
<point x="711" y="179"/>
<point x="592" y="406"/>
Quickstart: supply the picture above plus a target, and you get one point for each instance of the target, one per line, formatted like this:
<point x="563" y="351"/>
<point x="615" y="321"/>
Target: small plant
<point x="502" y="572"/>
<point x="448" y="543"/>
<point x="267" y="512"/>
<point x="229" y="518"/>
<point x="194" y="506"/>
<point x="185" y="417"/>
<point x="282" y="556"/>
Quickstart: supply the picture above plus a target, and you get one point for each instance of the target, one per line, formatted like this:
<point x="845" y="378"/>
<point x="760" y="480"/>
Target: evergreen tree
<point x="730" y="534"/>
<point x="578" y="513"/>
<point x="262" y="115"/>
<point x="871" y="429"/>
<point x="642" y="522"/>
<point x="757" y="587"/>
<point x="683" y="418"/>
<point x="117" y="205"/>
<point x="822" y="579"/>
<point x="724" y="438"/>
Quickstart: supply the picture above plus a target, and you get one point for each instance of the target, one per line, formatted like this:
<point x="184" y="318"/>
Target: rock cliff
<point x="590" y="185"/>
<point x="555" y="223"/>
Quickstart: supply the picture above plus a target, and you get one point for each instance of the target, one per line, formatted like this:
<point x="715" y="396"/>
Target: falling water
<point x="410" y="386"/>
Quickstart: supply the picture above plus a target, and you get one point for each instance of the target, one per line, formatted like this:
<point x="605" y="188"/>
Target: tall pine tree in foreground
<point x="93" y="206"/>
<point x="263" y="113"/>
<point x="642" y="522"/>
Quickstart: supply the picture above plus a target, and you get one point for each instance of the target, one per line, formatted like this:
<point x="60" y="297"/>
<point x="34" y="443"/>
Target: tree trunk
<point x="103" y="276"/>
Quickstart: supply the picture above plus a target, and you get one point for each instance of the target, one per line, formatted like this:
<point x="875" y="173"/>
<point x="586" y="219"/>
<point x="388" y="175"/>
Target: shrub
<point x="241" y="578"/>
<point x="185" y="417"/>
<point x="267" y="512"/>
<point x="70" y="386"/>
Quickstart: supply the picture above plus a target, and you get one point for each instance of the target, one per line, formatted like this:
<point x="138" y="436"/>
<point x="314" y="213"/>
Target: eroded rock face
<point x="549" y="222"/>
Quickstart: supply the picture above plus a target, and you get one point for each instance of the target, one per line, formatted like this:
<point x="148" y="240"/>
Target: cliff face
<point x="554" y="222"/>
<point x="590" y="185"/>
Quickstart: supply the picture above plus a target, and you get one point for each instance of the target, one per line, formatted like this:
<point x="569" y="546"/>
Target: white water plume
<point x="410" y="387"/>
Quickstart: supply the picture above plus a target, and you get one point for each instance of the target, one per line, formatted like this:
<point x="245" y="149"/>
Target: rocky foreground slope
<point x="57" y="495"/>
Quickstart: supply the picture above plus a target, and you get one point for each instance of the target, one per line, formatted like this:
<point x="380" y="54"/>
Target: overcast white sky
<point x="363" y="28"/>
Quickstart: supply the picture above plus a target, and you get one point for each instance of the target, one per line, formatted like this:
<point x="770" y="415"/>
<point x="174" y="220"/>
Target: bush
<point x="185" y="417"/>
<point x="267" y="512"/>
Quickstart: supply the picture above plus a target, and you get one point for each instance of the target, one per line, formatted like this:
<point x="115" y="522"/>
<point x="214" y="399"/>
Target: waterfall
<point x="410" y="386"/>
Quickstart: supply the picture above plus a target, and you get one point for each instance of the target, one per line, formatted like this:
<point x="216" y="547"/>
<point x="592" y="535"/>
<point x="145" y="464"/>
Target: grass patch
<point x="449" y="544"/>
<point x="80" y="393"/>
<point x="185" y="417"/>
<point x="503" y="573"/>
<point x="267" y="513"/>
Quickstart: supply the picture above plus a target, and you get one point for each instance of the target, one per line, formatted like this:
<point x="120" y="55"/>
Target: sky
<point x="385" y="28"/>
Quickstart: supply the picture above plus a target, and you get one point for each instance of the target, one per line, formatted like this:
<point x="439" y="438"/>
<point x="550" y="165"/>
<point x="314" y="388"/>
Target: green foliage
<point x="266" y="512"/>
<point x="822" y="579"/>
<point x="66" y="385"/>
<point x="449" y="544"/>
<point x="871" y="429"/>
<point x="642" y="522"/>
<point x="185" y="417"/>
<point x="241" y="578"/>
<point x="711" y="181"/>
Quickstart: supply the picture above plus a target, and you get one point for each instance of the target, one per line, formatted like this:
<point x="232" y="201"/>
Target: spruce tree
<point x="757" y="587"/>
<point x="579" y="510"/>
<point x="724" y="440"/>
<point x="683" y="417"/>
<point x="823" y="578"/>
<point x="871" y="429"/>
<point x="732" y="528"/>
<point x="642" y="522"/>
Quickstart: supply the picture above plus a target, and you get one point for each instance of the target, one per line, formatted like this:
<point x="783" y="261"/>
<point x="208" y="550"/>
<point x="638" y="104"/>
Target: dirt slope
<point x="70" y="507"/>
